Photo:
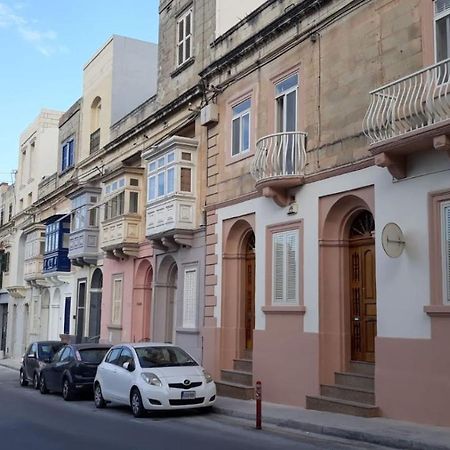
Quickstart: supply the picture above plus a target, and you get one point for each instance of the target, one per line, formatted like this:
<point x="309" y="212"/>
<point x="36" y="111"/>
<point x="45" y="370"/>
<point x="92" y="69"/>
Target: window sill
<point x="239" y="157"/>
<point x="297" y="309"/>
<point x="188" y="330"/>
<point x="183" y="66"/>
<point x="67" y="169"/>
<point x="437" y="310"/>
<point x="114" y="327"/>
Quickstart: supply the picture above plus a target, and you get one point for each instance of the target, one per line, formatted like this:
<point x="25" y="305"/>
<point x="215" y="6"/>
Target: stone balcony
<point x="121" y="235"/>
<point x="33" y="268"/>
<point x="279" y="164"/>
<point x="409" y="115"/>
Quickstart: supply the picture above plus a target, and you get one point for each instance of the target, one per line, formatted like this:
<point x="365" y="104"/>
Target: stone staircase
<point x="237" y="383"/>
<point x="353" y="392"/>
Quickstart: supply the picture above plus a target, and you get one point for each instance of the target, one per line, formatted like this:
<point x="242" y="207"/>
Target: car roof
<point x="49" y="342"/>
<point x="146" y="344"/>
<point x="90" y="346"/>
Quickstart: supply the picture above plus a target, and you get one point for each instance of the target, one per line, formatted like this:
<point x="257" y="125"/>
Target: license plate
<point x="187" y="395"/>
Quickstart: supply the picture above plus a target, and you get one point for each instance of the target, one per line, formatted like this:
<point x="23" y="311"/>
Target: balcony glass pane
<point x="170" y="180"/>
<point x="243" y="106"/>
<point x="170" y="157"/>
<point x="134" y="201"/>
<point x="185" y="179"/>
<point x="152" y="188"/>
<point x="441" y="6"/>
<point x="291" y="111"/>
<point x="161" y="184"/>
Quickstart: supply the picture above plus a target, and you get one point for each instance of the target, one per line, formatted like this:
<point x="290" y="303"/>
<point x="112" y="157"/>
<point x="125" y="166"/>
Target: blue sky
<point x="43" y="47"/>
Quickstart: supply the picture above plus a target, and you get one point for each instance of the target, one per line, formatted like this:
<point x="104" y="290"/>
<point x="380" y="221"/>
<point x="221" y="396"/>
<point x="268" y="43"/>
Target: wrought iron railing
<point x="410" y="103"/>
<point x="279" y="155"/>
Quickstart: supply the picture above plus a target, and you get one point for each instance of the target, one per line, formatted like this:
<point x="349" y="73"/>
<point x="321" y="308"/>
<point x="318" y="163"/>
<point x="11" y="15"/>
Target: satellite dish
<point x="393" y="240"/>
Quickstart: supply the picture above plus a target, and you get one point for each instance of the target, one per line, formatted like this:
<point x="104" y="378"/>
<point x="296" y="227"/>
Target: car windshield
<point x="47" y="351"/>
<point x="163" y="357"/>
<point x="92" y="355"/>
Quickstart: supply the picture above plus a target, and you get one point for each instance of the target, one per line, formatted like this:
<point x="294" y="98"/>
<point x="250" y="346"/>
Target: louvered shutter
<point x="291" y="255"/>
<point x="446" y="248"/>
<point x="278" y="268"/>
<point x="190" y="299"/>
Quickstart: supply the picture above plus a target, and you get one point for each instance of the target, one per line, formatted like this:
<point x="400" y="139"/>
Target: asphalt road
<point x="29" y="420"/>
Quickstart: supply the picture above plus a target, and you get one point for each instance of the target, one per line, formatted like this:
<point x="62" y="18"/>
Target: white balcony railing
<point x="279" y="155"/>
<point x="410" y="103"/>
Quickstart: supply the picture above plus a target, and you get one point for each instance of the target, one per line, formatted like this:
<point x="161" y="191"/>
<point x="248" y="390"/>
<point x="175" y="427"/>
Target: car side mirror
<point x="128" y="365"/>
<point x="32" y="355"/>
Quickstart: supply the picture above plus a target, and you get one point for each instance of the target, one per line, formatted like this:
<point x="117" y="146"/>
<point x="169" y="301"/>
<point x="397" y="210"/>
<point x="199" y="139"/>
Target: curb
<point x="9" y="367"/>
<point x="351" y="434"/>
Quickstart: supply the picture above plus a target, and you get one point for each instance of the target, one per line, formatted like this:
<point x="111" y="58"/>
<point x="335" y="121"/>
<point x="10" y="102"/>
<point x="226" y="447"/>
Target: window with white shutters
<point x="190" y="299"/>
<point x="117" y="290"/>
<point x="285" y="267"/>
<point x="184" y="37"/>
<point x="446" y="250"/>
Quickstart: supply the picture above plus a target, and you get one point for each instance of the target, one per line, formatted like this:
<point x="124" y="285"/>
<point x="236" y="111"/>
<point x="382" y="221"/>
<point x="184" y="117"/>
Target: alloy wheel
<point x="136" y="404"/>
<point x="42" y="387"/>
<point x="36" y="381"/>
<point x="98" y="397"/>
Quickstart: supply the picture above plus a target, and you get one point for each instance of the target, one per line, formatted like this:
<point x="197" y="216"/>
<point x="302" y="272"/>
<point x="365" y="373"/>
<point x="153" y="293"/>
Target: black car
<point x="72" y="369"/>
<point x="37" y="356"/>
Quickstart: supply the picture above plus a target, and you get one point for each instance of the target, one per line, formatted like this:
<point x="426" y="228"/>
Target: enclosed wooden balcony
<point x="279" y="164"/>
<point x="34" y="252"/>
<point x="409" y="115"/>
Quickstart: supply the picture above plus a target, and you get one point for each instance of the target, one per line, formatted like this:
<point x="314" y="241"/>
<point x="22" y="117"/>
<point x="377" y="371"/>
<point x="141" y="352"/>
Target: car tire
<point x="68" y="391"/>
<point x="42" y="385"/>
<point x="35" y="381"/>
<point x="137" y="407"/>
<point x="22" y="379"/>
<point x="99" y="401"/>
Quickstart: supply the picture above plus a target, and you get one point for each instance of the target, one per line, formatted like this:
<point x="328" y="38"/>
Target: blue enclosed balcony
<point x="57" y="244"/>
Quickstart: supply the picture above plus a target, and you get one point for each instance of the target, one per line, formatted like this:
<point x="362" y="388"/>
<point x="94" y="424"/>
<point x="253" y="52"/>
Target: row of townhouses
<point x="267" y="187"/>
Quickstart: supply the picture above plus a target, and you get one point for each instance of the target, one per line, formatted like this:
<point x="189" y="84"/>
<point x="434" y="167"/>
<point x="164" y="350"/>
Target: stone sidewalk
<point x="380" y="431"/>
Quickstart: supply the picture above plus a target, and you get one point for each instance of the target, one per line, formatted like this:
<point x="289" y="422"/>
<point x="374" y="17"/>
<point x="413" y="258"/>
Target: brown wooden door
<point x="363" y="305"/>
<point x="249" y="300"/>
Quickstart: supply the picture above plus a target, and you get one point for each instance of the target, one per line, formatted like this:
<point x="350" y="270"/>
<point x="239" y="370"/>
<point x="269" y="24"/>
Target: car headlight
<point x="151" y="379"/>
<point x="208" y="376"/>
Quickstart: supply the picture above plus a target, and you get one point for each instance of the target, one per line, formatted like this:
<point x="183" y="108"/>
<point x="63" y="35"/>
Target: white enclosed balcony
<point x="409" y="115"/>
<point x="34" y="253"/>
<point x="121" y="227"/>
<point x="279" y="164"/>
<point x="171" y="213"/>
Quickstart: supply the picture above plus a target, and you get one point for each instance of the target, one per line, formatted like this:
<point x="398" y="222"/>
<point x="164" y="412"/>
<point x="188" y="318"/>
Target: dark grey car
<point x="37" y="356"/>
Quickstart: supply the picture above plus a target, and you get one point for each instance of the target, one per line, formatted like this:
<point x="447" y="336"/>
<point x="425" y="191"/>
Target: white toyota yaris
<point x="152" y="376"/>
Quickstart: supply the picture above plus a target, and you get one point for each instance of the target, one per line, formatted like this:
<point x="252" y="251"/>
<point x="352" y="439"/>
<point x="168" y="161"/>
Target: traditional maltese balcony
<point x="171" y="214"/>
<point x="279" y="164"/>
<point x="84" y="233"/>
<point x="122" y="227"/>
<point x="34" y="253"/>
<point x="57" y="245"/>
<point x="409" y="115"/>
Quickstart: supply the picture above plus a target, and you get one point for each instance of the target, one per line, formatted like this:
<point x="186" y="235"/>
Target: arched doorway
<point x="238" y="292"/>
<point x="363" y="306"/>
<point x="95" y="305"/>
<point x="165" y="301"/>
<point x="142" y="300"/>
<point x="347" y="300"/>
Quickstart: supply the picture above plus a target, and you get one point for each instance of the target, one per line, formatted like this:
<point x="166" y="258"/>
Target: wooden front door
<point x="249" y="300"/>
<point x="363" y="305"/>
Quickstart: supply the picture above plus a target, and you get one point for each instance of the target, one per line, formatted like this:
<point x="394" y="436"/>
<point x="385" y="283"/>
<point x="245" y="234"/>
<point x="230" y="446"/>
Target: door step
<point x="235" y="390"/>
<point x="322" y="403"/>
<point x="363" y="368"/>
<point x="356" y="380"/>
<point x="348" y="393"/>
<point x="237" y="376"/>
<point x="244" y="365"/>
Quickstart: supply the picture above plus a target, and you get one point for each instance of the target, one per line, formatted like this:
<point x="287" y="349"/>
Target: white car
<point x="152" y="376"/>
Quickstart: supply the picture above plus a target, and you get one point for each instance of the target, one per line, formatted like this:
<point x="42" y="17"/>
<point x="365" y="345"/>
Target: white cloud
<point x="44" y="42"/>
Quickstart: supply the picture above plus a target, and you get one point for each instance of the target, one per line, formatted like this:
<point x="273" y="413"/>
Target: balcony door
<point x="286" y="93"/>
<point x="95" y="305"/>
